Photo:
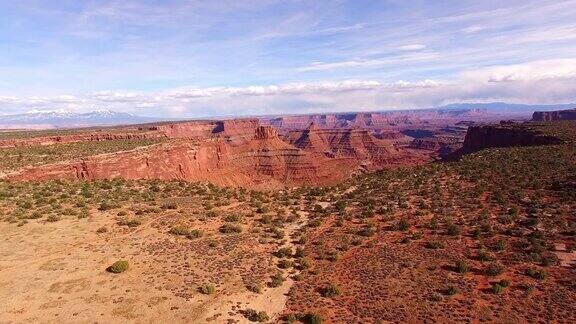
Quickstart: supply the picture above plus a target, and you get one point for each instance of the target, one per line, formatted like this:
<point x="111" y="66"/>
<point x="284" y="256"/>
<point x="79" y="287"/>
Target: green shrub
<point x="253" y="287"/>
<point x="461" y="266"/>
<point x="208" y="289"/>
<point x="195" y="233"/>
<point x="118" y="266"/>
<point x="330" y="291"/>
<point x="232" y="218"/>
<point x="312" y="318"/>
<point x="451" y="290"/>
<point x="285" y="264"/>
<point x="504" y="283"/>
<point x="494" y="269"/>
<point x="434" y="245"/>
<point x="536" y="274"/>
<point x="484" y="255"/>
<point x="230" y="228"/>
<point x="53" y="218"/>
<point x="130" y="222"/>
<point x="179" y="230"/>
<point x="277" y="280"/>
<point x="402" y="225"/>
<point x="452" y="229"/>
<point x="283" y="252"/>
<point x="255" y="316"/>
<point x="497" y="288"/>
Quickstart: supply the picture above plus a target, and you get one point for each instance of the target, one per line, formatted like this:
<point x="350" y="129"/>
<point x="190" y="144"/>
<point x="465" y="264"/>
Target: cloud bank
<point x="551" y="81"/>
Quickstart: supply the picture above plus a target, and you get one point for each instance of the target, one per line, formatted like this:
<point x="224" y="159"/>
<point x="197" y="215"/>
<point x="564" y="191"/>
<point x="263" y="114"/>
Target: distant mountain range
<point x="506" y="108"/>
<point x="52" y="120"/>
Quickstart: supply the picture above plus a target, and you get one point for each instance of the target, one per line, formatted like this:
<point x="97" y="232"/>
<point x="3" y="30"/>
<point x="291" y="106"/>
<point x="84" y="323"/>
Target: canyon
<point x="271" y="153"/>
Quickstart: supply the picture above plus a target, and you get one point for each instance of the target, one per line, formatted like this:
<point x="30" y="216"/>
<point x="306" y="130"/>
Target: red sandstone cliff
<point x="263" y="162"/>
<point x="501" y="135"/>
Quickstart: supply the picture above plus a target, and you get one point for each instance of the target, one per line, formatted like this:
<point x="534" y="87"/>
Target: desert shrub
<point x="330" y="291"/>
<point x="169" y="206"/>
<point x="434" y="245"/>
<point x="230" y="228"/>
<point x="277" y="280"/>
<point x="266" y="219"/>
<point x="179" y="230"/>
<point x="106" y="205"/>
<point x="285" y="264"/>
<point x="367" y="231"/>
<point x="452" y="229"/>
<point x="53" y="218"/>
<point x="461" y="266"/>
<point x="303" y="263"/>
<point x="484" y="255"/>
<point x="494" y="269"/>
<point x="255" y="316"/>
<point x="283" y="252"/>
<point x="195" y="233"/>
<point x="118" y="266"/>
<point x="500" y="245"/>
<point x="299" y="253"/>
<point x="207" y="289"/>
<point x="497" y="288"/>
<point x="451" y="290"/>
<point x="312" y="318"/>
<point x="314" y="222"/>
<point x="254" y="287"/>
<point x="536" y="274"/>
<point x="232" y="218"/>
<point x="130" y="222"/>
<point x="417" y="235"/>
<point x="402" y="225"/>
<point x="504" y="283"/>
<point x="102" y="229"/>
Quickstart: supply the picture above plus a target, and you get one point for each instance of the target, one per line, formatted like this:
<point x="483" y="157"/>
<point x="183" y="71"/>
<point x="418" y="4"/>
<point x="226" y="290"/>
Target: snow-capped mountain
<point x="65" y="119"/>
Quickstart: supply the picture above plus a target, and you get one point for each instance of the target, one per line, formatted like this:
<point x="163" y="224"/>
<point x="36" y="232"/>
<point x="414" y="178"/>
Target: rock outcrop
<point x="442" y="145"/>
<point x="265" y="162"/>
<point x="554" y="115"/>
<point x="502" y="135"/>
<point x="356" y="144"/>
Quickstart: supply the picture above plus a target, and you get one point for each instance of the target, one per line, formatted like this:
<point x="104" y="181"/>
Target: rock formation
<point x="263" y="162"/>
<point x="502" y="135"/>
<point x="554" y="115"/>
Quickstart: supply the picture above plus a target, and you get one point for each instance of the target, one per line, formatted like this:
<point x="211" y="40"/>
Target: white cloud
<point x="545" y="81"/>
<point x="473" y="29"/>
<point x="531" y="71"/>
<point x="412" y="47"/>
<point x="415" y="57"/>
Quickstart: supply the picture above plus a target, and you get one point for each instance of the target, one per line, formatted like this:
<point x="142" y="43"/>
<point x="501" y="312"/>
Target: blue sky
<point x="187" y="58"/>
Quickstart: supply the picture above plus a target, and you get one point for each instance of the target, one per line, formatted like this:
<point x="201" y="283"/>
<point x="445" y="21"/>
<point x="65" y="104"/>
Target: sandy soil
<point x="56" y="273"/>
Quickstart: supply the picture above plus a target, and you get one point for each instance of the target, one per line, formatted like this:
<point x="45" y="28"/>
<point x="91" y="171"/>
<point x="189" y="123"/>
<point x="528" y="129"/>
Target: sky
<point x="190" y="58"/>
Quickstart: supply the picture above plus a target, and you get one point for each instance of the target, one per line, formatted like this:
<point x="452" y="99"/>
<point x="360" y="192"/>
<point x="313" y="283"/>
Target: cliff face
<point x="233" y="130"/>
<point x="264" y="162"/>
<point x="442" y="145"/>
<point x="372" y="120"/>
<point x="554" y="115"/>
<point x="503" y="135"/>
<point x="356" y="144"/>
